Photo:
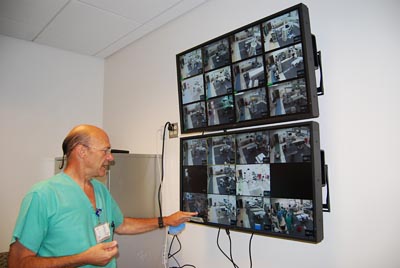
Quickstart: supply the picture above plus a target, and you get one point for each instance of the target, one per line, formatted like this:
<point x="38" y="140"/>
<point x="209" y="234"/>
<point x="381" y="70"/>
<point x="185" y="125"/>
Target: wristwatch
<point x="160" y="222"/>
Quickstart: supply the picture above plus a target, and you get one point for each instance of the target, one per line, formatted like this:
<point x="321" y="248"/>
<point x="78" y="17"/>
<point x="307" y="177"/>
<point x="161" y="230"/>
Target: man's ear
<point x="81" y="151"/>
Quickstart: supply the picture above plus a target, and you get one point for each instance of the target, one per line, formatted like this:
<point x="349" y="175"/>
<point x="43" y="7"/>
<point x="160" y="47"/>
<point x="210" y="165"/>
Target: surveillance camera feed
<point x="248" y="73"/>
<point x="284" y="64"/>
<point x="218" y="82"/>
<point x="246" y="44"/>
<point x="191" y="64"/>
<point x="259" y="180"/>
<point x="216" y="55"/>
<point x="220" y="110"/>
<point x="258" y="74"/>
<point x="192" y="89"/>
<point x="288" y="98"/>
<point x="282" y="31"/>
<point x="194" y="115"/>
<point x="251" y="104"/>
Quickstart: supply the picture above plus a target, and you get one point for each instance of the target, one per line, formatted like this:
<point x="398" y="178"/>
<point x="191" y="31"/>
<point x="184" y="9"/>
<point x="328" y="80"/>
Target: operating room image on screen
<point x="221" y="150"/>
<point x="191" y="64"/>
<point x="284" y="64"/>
<point x="192" y="89"/>
<point x="253" y="147"/>
<point x="292" y="216"/>
<point x="194" y="115"/>
<point x="290" y="145"/>
<point x="248" y="74"/>
<point x="222" y="179"/>
<point x="216" y="55"/>
<point x="220" y="110"/>
<point x="246" y="44"/>
<point x="222" y="209"/>
<point x="196" y="202"/>
<point x="251" y="104"/>
<point x="288" y="98"/>
<point x="282" y="31"/>
<point x="218" y="82"/>
<point x="253" y="212"/>
<point x="253" y="180"/>
<point x="195" y="152"/>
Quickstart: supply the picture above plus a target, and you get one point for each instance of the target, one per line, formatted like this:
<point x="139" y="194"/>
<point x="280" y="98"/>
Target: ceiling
<point x="90" y="27"/>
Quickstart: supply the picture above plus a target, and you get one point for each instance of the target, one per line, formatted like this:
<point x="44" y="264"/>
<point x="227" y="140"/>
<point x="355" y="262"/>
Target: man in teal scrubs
<point x="69" y="220"/>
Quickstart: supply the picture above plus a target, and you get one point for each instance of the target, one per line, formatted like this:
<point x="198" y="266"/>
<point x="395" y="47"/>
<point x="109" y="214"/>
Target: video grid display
<point x="259" y="180"/>
<point x="261" y="73"/>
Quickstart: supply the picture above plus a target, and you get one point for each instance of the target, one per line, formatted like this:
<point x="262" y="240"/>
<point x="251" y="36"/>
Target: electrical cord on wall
<point x="160" y="221"/>
<point x="230" y="257"/>
<point x="170" y="247"/>
<point x="161" y="224"/>
<point x="173" y="254"/>
<point x="251" y="260"/>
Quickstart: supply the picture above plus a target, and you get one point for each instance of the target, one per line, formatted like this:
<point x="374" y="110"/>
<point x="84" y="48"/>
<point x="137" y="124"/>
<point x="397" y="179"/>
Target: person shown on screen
<point x="69" y="220"/>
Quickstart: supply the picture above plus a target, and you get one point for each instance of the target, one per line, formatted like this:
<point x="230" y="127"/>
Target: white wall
<point x="359" y="125"/>
<point x="44" y="92"/>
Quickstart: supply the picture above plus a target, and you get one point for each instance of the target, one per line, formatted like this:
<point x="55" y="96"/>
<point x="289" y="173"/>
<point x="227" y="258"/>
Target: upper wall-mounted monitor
<point x="263" y="180"/>
<point x="261" y="73"/>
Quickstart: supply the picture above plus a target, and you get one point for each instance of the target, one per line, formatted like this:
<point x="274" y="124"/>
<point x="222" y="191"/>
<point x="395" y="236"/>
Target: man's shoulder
<point x="50" y="184"/>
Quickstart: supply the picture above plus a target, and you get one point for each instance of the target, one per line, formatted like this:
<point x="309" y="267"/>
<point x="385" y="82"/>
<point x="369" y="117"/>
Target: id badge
<point x="102" y="232"/>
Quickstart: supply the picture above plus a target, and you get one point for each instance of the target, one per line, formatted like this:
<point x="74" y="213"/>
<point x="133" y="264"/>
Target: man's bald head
<point x="81" y="134"/>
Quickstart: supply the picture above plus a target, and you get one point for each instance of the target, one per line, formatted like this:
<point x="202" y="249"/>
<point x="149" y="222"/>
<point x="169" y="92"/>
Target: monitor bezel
<point x="309" y="77"/>
<point x="316" y="180"/>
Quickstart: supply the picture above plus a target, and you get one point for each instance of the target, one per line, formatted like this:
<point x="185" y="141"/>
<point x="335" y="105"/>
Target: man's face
<point x="99" y="156"/>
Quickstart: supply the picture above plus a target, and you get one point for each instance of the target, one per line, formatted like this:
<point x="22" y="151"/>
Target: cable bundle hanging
<point x="160" y="221"/>
<point x="230" y="258"/>
<point x="173" y="254"/>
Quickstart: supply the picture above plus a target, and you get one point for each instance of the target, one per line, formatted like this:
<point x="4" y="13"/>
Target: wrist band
<point x="160" y="222"/>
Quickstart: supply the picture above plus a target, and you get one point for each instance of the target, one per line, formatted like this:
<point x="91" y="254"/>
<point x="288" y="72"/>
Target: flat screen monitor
<point x="261" y="73"/>
<point x="263" y="180"/>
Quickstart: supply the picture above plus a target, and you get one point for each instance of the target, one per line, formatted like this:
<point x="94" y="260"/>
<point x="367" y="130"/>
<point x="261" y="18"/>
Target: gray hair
<point x="78" y="135"/>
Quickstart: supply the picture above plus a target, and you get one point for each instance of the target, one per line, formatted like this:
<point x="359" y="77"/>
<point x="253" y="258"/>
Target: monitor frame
<point x="198" y="195"/>
<point x="199" y="108"/>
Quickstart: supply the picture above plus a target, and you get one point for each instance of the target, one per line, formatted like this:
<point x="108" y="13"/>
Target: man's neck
<point x="78" y="176"/>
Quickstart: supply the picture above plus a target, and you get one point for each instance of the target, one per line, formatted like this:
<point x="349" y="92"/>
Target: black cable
<point x="169" y="125"/>
<point x="180" y="247"/>
<point x="251" y="260"/>
<point x="170" y="247"/>
<point x="230" y="243"/>
<point x="173" y="255"/>
<point x="230" y="247"/>
<point x="162" y="168"/>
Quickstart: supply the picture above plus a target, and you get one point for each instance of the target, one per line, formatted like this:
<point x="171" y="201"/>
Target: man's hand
<point x="101" y="254"/>
<point x="178" y="218"/>
<point x="141" y="225"/>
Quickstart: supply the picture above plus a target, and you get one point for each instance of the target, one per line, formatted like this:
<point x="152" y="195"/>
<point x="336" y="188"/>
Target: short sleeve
<point x="32" y="223"/>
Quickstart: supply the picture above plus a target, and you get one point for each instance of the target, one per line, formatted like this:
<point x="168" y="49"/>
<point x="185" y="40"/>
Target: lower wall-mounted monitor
<point x="264" y="180"/>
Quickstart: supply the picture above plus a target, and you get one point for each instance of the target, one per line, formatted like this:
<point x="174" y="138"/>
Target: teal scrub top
<point x="57" y="218"/>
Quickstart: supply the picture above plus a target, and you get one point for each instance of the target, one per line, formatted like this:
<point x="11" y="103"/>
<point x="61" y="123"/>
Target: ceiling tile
<point x="165" y="17"/>
<point x="18" y="29"/>
<point x="25" y="19"/>
<point x="85" y="29"/>
<point x="136" y="10"/>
